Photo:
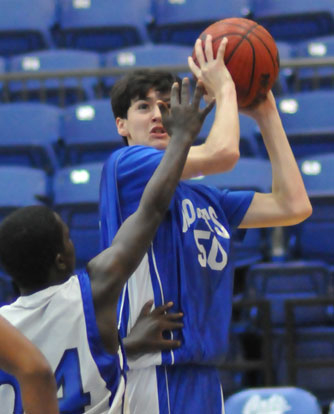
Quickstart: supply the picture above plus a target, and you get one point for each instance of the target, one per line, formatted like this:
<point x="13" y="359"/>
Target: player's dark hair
<point x="136" y="84"/>
<point x="30" y="239"/>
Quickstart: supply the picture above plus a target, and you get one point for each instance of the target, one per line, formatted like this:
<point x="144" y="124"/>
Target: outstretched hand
<point x="211" y="70"/>
<point x="184" y="118"/>
<point x="147" y="333"/>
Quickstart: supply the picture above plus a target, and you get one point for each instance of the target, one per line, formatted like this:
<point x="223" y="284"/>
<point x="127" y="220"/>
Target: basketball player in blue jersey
<point x="188" y="262"/>
<point x="19" y="357"/>
<point x="72" y="319"/>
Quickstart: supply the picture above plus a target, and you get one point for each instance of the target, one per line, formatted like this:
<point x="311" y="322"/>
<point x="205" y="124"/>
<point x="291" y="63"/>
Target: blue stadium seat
<point x="278" y="282"/>
<point x="29" y="134"/>
<point x="2" y="71"/>
<point x="314" y="236"/>
<point x="25" y="25"/>
<point x="290" y="400"/>
<point x="295" y="20"/>
<point x="320" y="77"/>
<point x="182" y="21"/>
<point x="89" y="132"/>
<point x="148" y="55"/>
<point x="102" y="25"/>
<point x="54" y="90"/>
<point x="248" y="144"/>
<point x="284" y="82"/>
<point x="248" y="174"/>
<point x="308" y="122"/>
<point x="76" y="199"/>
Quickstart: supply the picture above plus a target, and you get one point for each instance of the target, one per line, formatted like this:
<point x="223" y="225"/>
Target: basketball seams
<point x="262" y="66"/>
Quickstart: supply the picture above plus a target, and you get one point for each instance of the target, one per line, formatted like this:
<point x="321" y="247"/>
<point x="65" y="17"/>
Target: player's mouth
<point x="159" y="132"/>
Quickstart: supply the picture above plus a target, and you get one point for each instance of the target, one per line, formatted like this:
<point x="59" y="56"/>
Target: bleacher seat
<point x="286" y="51"/>
<point x="25" y="25"/>
<point x="181" y="22"/>
<point x="54" y="90"/>
<point x="76" y="199"/>
<point x="2" y="72"/>
<point x="308" y="122"/>
<point x="320" y="77"/>
<point x="29" y="134"/>
<point x="252" y="248"/>
<point x="148" y="55"/>
<point x="295" y="20"/>
<point x="314" y="236"/>
<point x="89" y="132"/>
<point x="278" y="282"/>
<point x="273" y="400"/>
<point x="19" y="187"/>
<point x="102" y="25"/>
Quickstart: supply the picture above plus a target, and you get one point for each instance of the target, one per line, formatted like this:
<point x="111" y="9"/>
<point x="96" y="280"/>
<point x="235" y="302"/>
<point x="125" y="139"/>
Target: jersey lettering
<point x="210" y="251"/>
<point x="69" y="383"/>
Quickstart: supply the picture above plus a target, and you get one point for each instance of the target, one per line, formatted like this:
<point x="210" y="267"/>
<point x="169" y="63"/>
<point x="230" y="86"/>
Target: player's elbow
<point x="301" y="210"/>
<point x="231" y="158"/>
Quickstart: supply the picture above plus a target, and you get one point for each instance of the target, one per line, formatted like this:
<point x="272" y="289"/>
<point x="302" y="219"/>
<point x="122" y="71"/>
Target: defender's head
<point x="35" y="248"/>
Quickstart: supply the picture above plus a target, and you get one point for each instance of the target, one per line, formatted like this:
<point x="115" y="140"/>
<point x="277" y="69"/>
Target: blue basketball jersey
<point x="60" y="321"/>
<point x="188" y="262"/>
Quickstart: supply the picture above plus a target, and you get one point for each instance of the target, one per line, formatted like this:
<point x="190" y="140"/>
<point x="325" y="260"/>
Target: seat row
<point x="86" y="24"/>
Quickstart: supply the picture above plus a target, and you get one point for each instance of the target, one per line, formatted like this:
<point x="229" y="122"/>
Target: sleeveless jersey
<point x="188" y="263"/>
<point x="60" y="321"/>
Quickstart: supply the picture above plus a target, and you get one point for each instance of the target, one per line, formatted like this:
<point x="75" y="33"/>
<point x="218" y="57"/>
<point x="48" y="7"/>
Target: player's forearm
<point x="38" y="390"/>
<point x="220" y="151"/>
<point x="287" y="183"/>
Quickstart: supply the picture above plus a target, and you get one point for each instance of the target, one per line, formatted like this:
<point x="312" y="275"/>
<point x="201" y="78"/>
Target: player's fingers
<point x="185" y="91"/>
<point x="171" y="325"/>
<point x="164" y="109"/>
<point x="208" y="108"/>
<point x="146" y="308"/>
<point x="173" y="316"/>
<point x="175" y="95"/>
<point x="199" y="91"/>
<point x="160" y="310"/>
<point x="208" y="48"/>
<point x="169" y="344"/>
<point x="221" y="49"/>
<point x="193" y="67"/>
<point x="199" y="52"/>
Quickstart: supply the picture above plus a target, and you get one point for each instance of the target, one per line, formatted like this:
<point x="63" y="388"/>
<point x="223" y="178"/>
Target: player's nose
<point x="156" y="113"/>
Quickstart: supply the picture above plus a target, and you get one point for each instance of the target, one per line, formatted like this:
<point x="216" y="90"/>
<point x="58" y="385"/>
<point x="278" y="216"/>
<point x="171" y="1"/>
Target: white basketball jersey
<point x="60" y="321"/>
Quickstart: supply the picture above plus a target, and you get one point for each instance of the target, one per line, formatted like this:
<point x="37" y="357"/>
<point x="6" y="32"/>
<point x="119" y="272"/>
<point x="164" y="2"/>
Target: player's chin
<point x="160" y="143"/>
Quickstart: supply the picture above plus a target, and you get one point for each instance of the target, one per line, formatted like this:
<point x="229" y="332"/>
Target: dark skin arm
<point x="20" y="358"/>
<point x="110" y="270"/>
<point x="147" y="333"/>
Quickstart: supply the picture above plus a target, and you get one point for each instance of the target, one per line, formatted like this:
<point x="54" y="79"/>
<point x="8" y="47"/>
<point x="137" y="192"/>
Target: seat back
<point x="53" y="90"/>
<point x="274" y="400"/>
<point x="182" y="21"/>
<point x="89" y="132"/>
<point x="102" y="26"/>
<point x="25" y="25"/>
<point x="29" y="132"/>
<point x="295" y="20"/>
<point x="76" y="199"/>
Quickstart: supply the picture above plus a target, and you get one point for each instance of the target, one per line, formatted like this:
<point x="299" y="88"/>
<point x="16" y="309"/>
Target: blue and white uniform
<point x="188" y="263"/>
<point x="60" y="321"/>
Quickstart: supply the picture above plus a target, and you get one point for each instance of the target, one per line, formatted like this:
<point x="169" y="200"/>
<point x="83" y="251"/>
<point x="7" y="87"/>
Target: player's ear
<point x="60" y="262"/>
<point x="121" y="124"/>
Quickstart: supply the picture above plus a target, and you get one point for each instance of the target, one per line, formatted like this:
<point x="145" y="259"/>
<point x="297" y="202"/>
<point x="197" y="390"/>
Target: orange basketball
<point x="251" y="56"/>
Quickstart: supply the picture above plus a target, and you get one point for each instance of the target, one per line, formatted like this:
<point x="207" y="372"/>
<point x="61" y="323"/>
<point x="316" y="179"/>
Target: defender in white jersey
<point x="189" y="260"/>
<point x="72" y="319"/>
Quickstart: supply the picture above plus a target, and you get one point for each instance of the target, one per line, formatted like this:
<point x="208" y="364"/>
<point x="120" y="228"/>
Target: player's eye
<point x="143" y="105"/>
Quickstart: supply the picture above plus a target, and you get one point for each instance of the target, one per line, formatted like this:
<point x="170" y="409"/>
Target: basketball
<point x="251" y="57"/>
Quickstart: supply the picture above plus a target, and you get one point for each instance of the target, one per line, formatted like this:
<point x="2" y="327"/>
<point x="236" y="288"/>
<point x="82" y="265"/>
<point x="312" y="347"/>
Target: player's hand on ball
<point x="263" y="109"/>
<point x="147" y="333"/>
<point x="210" y="70"/>
<point x="184" y="119"/>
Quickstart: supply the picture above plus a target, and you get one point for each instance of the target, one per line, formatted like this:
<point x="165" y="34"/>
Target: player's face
<point x="143" y="125"/>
